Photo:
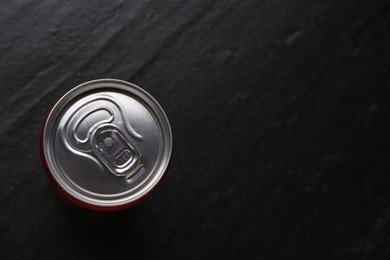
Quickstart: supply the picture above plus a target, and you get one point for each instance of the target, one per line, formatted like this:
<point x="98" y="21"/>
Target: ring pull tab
<point x="115" y="151"/>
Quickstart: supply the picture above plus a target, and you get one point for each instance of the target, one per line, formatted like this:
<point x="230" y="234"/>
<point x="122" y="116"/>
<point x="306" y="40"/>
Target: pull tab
<point x="112" y="148"/>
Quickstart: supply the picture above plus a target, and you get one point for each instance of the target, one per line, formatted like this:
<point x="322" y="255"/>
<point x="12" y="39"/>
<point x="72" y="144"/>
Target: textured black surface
<point x="279" y="111"/>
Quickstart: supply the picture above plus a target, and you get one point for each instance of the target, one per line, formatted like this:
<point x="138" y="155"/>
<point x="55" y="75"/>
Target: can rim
<point x="144" y="193"/>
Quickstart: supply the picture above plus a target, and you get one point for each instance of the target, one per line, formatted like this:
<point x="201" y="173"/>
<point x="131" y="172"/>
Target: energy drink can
<point x="106" y="144"/>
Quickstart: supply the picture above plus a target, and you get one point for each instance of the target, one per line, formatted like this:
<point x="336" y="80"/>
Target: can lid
<point x="107" y="143"/>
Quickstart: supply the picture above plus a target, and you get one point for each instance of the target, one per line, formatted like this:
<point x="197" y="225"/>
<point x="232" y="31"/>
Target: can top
<point x="107" y="143"/>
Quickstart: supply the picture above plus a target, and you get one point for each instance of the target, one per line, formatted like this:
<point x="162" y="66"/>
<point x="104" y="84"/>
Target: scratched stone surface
<point x="279" y="111"/>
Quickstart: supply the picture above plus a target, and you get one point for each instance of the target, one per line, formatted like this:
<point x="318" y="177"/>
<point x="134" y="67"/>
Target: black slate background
<point x="279" y="112"/>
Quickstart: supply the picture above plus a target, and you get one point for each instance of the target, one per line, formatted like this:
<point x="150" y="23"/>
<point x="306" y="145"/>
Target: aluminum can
<point x="106" y="144"/>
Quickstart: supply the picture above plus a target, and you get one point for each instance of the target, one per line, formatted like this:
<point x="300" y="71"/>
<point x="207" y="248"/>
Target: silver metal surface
<point x="107" y="142"/>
